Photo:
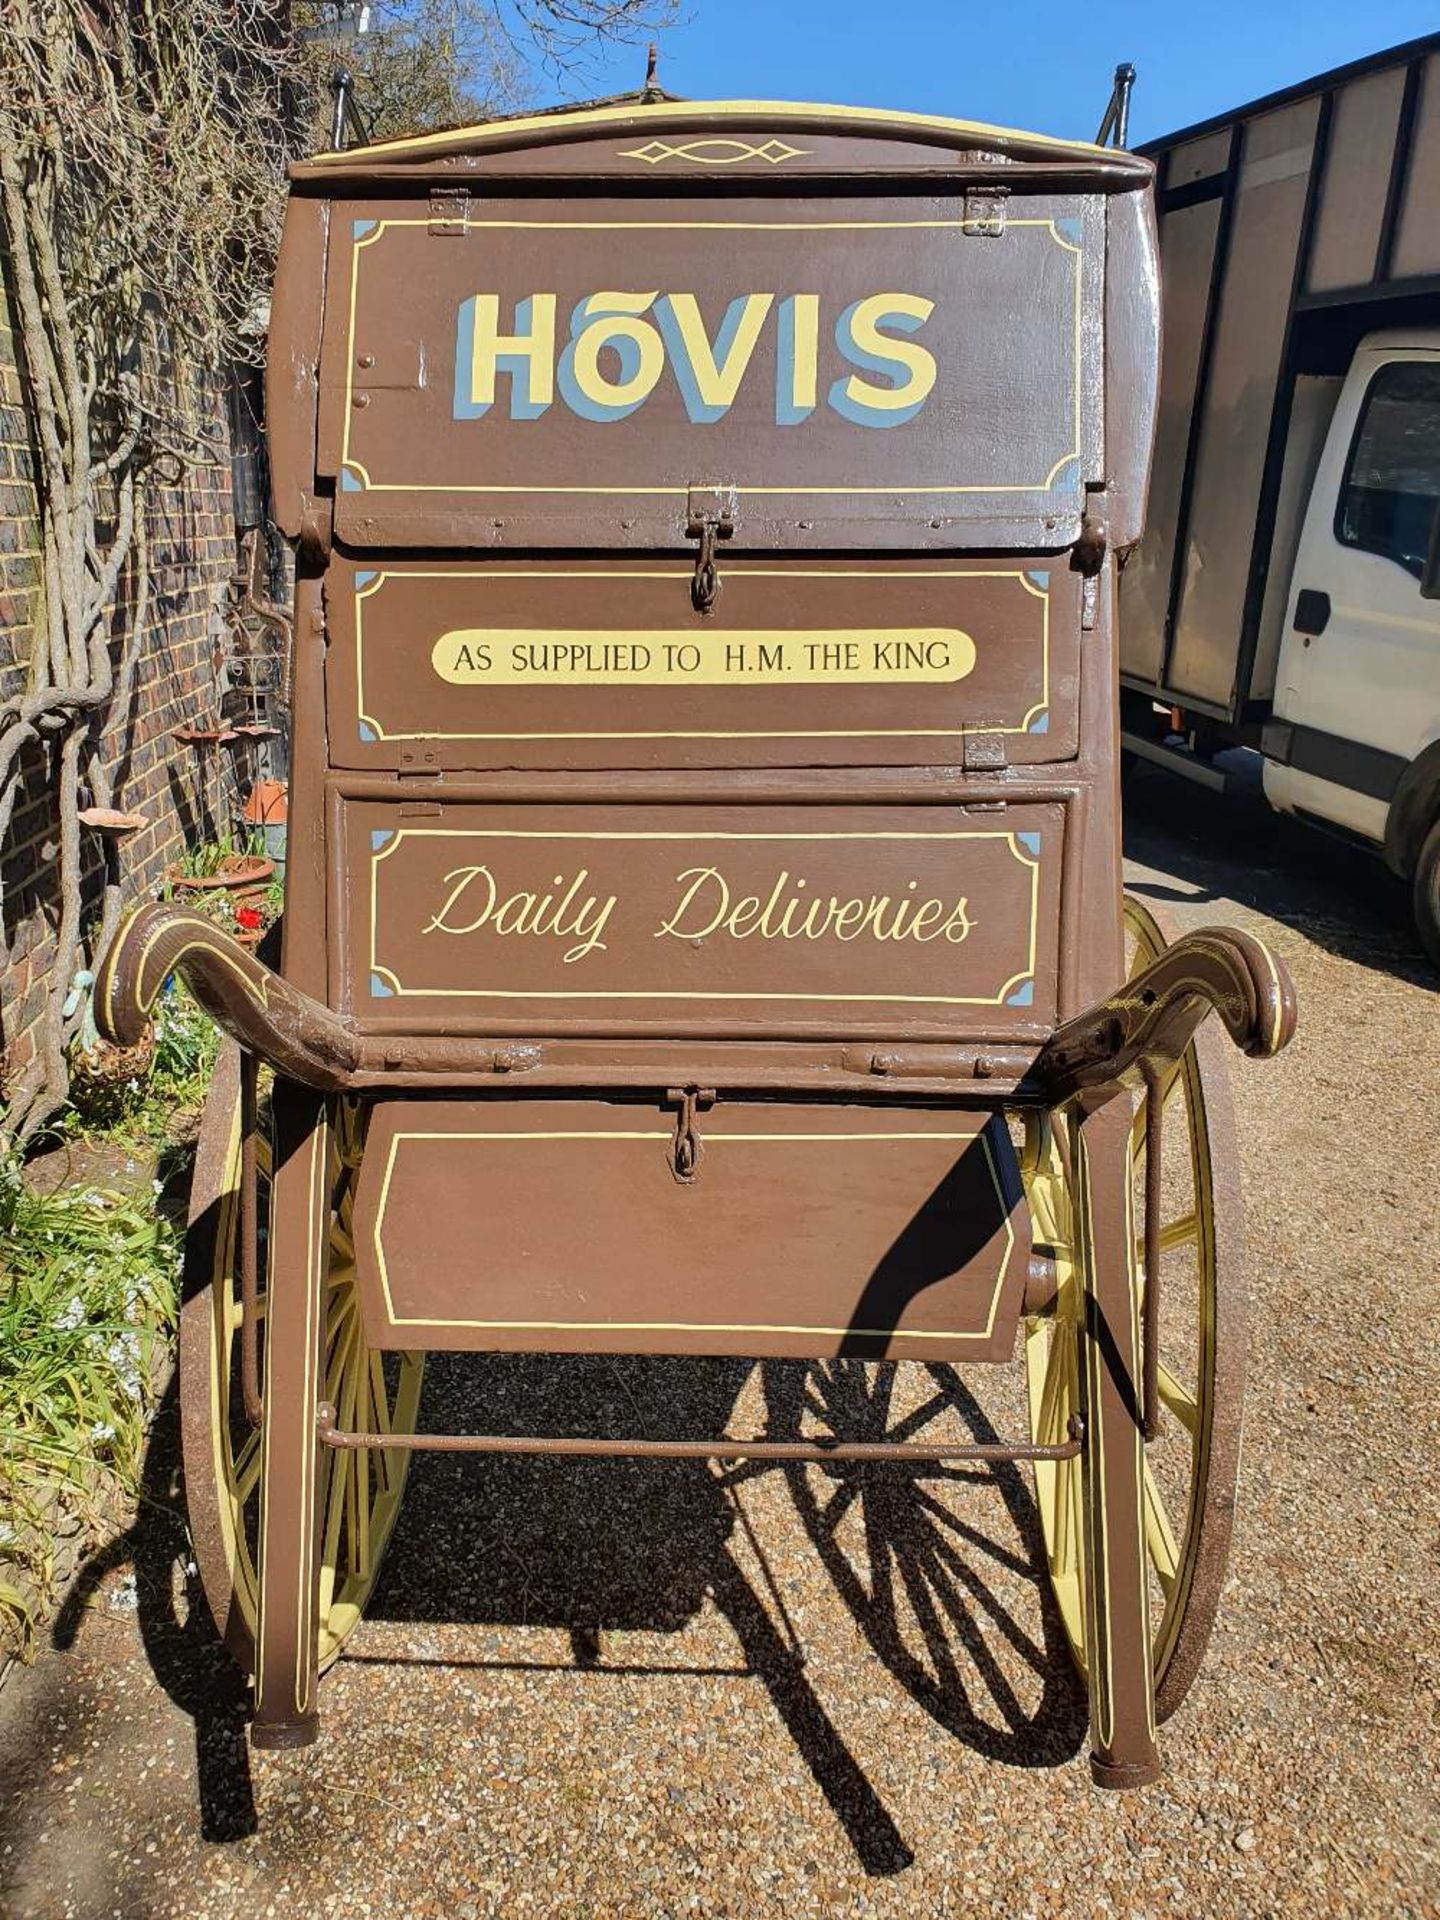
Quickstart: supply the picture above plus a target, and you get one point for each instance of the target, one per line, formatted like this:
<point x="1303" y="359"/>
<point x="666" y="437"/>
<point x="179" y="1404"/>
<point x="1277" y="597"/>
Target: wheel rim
<point x="358" y="1492"/>
<point x="1191" y="1467"/>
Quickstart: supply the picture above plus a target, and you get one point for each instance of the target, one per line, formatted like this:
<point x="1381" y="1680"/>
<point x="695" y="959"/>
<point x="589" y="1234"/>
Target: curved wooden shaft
<point x="1146" y="1026"/>
<point x="287" y="1634"/>
<point x="301" y="1039"/>
<point x="1117" y="1613"/>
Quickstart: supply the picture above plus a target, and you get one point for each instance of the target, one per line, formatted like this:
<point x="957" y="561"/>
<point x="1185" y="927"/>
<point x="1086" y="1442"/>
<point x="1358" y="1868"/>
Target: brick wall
<point x="186" y="794"/>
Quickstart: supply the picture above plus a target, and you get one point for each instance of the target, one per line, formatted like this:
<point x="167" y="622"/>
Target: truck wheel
<point x="1426" y="896"/>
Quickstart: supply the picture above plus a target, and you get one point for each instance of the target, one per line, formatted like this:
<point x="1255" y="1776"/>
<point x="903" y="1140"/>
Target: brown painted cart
<point x="703" y="926"/>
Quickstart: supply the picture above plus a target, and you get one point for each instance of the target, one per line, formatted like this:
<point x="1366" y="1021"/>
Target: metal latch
<point x="1087" y="558"/>
<point x="984" y="214"/>
<point x="685" y="1148"/>
<point x="710" y="516"/>
<point x="449" y="209"/>
<point x="982" y="752"/>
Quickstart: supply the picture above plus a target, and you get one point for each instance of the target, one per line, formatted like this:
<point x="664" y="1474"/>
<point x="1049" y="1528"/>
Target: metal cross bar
<point x="724" y="1448"/>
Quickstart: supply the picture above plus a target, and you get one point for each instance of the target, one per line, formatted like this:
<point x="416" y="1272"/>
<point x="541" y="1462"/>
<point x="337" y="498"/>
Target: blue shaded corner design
<point x="368" y="733"/>
<point x="359" y="228"/>
<point x="1038" y="577"/>
<point x="1023" y="996"/>
<point x="379" y="990"/>
<point x="350" y="481"/>
<point x="1030" y="842"/>
<point x="1040" y="725"/>
<point x="1067" y="480"/>
<point x="1069" y="225"/>
<point x="379" y="836"/>
<point x="364" y="577"/>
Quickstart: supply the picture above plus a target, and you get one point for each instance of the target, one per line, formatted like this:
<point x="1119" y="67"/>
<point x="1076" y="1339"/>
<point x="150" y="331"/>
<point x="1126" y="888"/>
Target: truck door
<point x="1358" y="690"/>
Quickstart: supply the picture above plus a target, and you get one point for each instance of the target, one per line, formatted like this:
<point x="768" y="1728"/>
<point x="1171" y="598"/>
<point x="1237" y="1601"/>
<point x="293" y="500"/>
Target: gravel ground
<point x="610" y="1689"/>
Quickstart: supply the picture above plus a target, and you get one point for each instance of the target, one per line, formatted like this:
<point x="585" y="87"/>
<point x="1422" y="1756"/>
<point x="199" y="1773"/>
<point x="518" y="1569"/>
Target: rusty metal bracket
<point x="820" y="1451"/>
<point x="686" y="1148"/>
<point x="449" y="210"/>
<point x="709" y="517"/>
<point x="984" y="216"/>
<point x="982" y="752"/>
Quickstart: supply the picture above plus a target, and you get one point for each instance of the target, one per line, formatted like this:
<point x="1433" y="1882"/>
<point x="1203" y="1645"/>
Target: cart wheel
<point x="1191" y="1467"/>
<point x="358" y="1494"/>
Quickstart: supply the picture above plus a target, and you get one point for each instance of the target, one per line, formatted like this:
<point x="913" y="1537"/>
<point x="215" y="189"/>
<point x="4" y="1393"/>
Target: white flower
<point x="101" y="1431"/>
<point x="73" y="1315"/>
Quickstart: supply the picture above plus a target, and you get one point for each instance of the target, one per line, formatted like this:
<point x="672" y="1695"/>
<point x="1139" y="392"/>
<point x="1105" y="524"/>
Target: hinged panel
<point x="806" y="1231"/>
<point x="865" y="371"/>
<point x="606" y="664"/>
<point x="874" y="922"/>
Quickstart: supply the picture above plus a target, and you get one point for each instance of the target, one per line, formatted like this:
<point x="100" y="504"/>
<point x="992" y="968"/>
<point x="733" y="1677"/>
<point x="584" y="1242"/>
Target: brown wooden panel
<point x="557" y="373"/>
<point x="808" y="1231"/>
<point x="609" y="665"/>
<point x="926" y="921"/>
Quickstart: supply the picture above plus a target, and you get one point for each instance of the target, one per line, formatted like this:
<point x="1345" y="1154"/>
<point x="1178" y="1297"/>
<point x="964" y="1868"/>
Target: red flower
<point x="249" y="918"/>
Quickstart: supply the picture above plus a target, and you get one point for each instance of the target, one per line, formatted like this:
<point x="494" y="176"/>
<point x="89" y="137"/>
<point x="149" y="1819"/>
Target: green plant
<point x="144" y="1110"/>
<point x="210" y="857"/>
<point x="87" y="1302"/>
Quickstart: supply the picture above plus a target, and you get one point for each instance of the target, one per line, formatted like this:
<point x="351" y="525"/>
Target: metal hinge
<point x="984" y="214"/>
<point x="449" y="209"/>
<point x="982" y="752"/>
<point x="709" y="517"/>
<point x="685" y="1148"/>
<point x="420" y="763"/>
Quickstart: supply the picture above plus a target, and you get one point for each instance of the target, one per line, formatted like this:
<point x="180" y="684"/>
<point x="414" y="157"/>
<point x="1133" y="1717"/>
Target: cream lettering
<point x="707" y="906"/>
<point x="475" y="902"/>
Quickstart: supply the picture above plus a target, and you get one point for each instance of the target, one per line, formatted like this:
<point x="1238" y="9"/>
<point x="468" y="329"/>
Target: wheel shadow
<point x="184" y="1651"/>
<point x="597" y="1546"/>
<point x="953" y="1608"/>
<point x="960" y="1612"/>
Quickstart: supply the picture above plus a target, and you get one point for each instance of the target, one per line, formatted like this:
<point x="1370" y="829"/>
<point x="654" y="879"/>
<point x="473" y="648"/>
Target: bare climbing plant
<point x="143" y="145"/>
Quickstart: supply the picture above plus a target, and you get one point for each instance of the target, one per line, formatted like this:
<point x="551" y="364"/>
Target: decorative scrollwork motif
<point x="715" y="152"/>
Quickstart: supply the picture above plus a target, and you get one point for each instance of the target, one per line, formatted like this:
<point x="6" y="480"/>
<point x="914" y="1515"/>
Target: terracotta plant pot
<point x="238" y="873"/>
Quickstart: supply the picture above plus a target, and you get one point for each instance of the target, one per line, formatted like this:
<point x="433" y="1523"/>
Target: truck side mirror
<point x="1430" y="578"/>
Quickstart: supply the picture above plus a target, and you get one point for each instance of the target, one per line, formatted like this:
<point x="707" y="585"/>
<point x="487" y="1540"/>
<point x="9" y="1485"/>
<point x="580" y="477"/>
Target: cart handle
<point x="1145" y="1027"/>
<point x="265" y="1014"/>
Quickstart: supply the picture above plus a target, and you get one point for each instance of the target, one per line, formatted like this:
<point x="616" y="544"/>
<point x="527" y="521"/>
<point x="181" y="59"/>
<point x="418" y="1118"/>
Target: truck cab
<point x="1354" y="741"/>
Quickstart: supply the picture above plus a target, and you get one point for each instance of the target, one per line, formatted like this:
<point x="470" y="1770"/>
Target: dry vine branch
<point x="142" y="153"/>
<point x="142" y="149"/>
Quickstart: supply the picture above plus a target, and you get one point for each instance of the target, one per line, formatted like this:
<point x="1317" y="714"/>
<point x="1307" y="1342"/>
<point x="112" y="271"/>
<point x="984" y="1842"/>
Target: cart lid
<point x="814" y="326"/>
<point x="451" y="148"/>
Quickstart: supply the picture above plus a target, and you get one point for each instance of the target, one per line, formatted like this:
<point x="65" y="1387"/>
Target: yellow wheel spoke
<point x="342" y="1304"/>
<point x="1063" y="1557"/>
<point x="1178" y="1400"/>
<point x="334" y="1500"/>
<point x="246" y="1473"/>
<point x="1160" y="1536"/>
<point x="338" y="1363"/>
<point x="1179" y="1233"/>
<point x="1054" y="1411"/>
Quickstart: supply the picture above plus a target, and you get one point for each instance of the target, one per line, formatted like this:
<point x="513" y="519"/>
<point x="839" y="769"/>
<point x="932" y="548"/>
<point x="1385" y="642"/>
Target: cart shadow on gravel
<point x="183" y="1649"/>
<point x="598" y="1547"/>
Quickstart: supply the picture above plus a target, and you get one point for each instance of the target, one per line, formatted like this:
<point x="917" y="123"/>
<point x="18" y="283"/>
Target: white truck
<point x="1286" y="596"/>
